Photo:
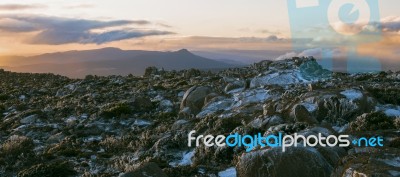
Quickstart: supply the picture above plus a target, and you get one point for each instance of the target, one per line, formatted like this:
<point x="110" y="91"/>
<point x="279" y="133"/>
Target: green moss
<point x="3" y="97"/>
<point x="372" y="121"/>
<point x="55" y="169"/>
<point x="386" y="95"/>
<point x="395" y="143"/>
<point x="17" y="145"/>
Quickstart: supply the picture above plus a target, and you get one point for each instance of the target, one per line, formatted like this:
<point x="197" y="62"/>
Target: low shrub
<point x="372" y="121"/>
<point x="59" y="169"/>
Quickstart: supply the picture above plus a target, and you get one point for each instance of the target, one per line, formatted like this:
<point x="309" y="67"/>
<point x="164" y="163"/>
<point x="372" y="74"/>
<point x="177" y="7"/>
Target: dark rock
<point x="299" y="162"/>
<point x="301" y="114"/>
<point x="141" y="103"/>
<point x="312" y="70"/>
<point x="150" y="71"/>
<point x="386" y="95"/>
<point x="336" y="109"/>
<point x="59" y="169"/>
<point x="372" y="121"/>
<point x="117" y="111"/>
<point x="269" y="109"/>
<point x="395" y="143"/>
<point x="17" y="145"/>
<point x="288" y="128"/>
<point x="192" y="73"/>
<point x="145" y="170"/>
<point x="29" y="119"/>
<point x="371" y="162"/>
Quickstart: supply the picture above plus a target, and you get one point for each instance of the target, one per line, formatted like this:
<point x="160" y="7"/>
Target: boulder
<point x="311" y="70"/>
<point x="269" y="109"/>
<point x="294" y="162"/>
<point x="194" y="98"/>
<point x="150" y="71"/>
<point x="301" y="114"/>
<point x="372" y="122"/>
<point x="266" y="122"/>
<point x="145" y="170"/>
<point x="364" y="162"/>
<point x="190" y="73"/>
<point x="235" y="86"/>
<point x="141" y="103"/>
<point x="29" y="119"/>
<point x="334" y="108"/>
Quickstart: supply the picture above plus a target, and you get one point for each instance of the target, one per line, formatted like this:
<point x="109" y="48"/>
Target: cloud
<point x="57" y="30"/>
<point x="266" y="31"/>
<point x="388" y="24"/>
<point x="11" y="7"/>
<point x="287" y="56"/>
<point x="57" y="37"/>
<point x="164" y="25"/>
<point x="314" y="52"/>
<point x="274" y="38"/>
<point x="271" y="38"/>
<point x="391" y="24"/>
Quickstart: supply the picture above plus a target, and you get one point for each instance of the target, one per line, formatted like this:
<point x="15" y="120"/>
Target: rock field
<point x="133" y="126"/>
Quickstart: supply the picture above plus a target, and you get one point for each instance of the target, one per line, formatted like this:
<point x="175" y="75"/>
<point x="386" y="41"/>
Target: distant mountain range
<point x="108" y="61"/>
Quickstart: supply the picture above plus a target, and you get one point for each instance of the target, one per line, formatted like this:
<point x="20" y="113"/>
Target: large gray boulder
<point x="194" y="98"/>
<point x="294" y="162"/>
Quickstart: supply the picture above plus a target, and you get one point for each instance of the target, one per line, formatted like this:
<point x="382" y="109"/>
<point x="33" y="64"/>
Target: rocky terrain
<point x="133" y="126"/>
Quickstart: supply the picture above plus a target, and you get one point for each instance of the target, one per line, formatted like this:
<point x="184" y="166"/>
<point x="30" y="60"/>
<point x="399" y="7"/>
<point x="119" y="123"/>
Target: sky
<point x="31" y="27"/>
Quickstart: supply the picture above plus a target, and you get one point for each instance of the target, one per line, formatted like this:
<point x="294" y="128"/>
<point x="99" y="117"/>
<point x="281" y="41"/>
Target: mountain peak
<point x="183" y="51"/>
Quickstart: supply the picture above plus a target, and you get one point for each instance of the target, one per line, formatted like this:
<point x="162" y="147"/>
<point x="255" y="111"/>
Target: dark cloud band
<point x="57" y="30"/>
<point x="10" y="7"/>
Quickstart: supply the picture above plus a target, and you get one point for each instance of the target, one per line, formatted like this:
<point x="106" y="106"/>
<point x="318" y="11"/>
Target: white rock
<point x="395" y="162"/>
<point x="251" y="96"/>
<point x="22" y="97"/>
<point x="389" y="110"/>
<point x="279" y="78"/>
<point x="141" y="122"/>
<point x="185" y="161"/>
<point x="230" y="172"/>
<point x="92" y="138"/>
<point x="311" y="107"/>
<point x="213" y="107"/>
<point x="29" y="119"/>
<point x="352" y="94"/>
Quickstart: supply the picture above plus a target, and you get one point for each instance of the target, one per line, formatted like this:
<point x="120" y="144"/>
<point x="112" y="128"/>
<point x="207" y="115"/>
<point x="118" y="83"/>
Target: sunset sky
<point x="43" y="26"/>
